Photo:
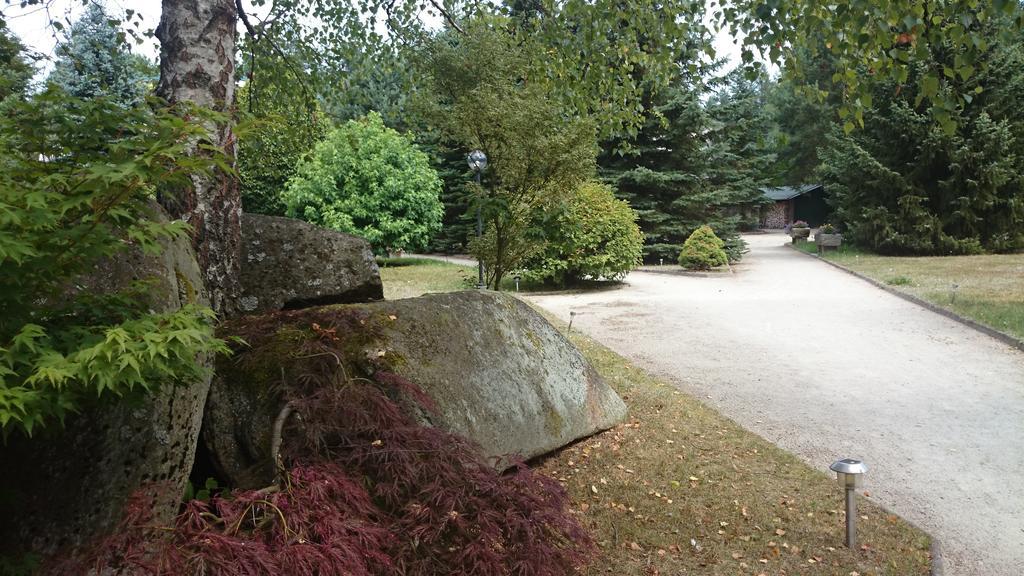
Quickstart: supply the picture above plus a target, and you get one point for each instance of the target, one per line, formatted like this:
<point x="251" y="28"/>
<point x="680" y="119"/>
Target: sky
<point x="31" y="24"/>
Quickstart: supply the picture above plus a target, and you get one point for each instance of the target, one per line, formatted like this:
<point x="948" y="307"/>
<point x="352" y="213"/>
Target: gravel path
<point x="828" y="366"/>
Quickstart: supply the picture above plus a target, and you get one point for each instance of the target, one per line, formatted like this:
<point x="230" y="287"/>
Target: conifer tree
<point x="15" y="68"/>
<point x="93" y="62"/>
<point x="904" y="185"/>
<point x="695" y="163"/>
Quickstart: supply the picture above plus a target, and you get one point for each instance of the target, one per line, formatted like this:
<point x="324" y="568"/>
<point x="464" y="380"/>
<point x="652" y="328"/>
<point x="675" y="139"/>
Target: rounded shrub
<point x="369" y="180"/>
<point x="595" y="237"/>
<point x="703" y="250"/>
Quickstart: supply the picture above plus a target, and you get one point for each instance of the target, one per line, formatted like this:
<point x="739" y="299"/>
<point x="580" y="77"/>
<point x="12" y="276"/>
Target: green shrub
<point x="703" y="250"/>
<point x="367" y="179"/>
<point x="595" y="237"/>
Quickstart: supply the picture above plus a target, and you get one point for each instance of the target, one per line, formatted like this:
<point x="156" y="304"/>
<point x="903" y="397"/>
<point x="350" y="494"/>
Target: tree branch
<point x="245" y="19"/>
<point x="258" y="37"/>
<point x="448" y="17"/>
<point x="275" y="438"/>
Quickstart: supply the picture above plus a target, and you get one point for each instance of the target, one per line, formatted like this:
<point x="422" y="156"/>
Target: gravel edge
<point x="936" y="553"/>
<point x="1001" y="336"/>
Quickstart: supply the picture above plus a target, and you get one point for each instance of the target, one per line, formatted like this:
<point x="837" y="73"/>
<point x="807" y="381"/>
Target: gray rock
<point x="289" y="264"/>
<point x="497" y="371"/>
<point x="65" y="486"/>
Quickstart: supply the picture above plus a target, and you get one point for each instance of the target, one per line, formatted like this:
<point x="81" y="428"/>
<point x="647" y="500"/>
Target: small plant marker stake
<point x="572" y="316"/>
<point x="848" y="472"/>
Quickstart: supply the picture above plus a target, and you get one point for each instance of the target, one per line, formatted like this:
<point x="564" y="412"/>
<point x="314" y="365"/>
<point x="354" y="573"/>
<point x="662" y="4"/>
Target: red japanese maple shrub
<point x="368" y="490"/>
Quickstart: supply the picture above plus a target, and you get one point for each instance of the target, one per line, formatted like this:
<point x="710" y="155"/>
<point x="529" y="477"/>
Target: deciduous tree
<point x="482" y="94"/>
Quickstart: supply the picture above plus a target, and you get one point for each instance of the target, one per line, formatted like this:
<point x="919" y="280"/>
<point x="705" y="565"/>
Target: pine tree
<point x="802" y="118"/>
<point x="93" y="62"/>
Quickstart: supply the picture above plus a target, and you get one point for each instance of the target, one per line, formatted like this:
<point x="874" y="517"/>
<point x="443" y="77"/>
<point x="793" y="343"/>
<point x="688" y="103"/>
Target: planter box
<point x="828" y="240"/>
<point x="799" y="234"/>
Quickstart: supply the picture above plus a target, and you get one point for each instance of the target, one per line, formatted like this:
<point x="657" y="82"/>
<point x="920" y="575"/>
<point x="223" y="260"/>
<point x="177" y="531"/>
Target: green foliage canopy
<point x="77" y="182"/>
<point x="871" y="40"/>
<point x="480" y="95"/>
<point x="594" y="237"/>
<point x="369" y="180"/>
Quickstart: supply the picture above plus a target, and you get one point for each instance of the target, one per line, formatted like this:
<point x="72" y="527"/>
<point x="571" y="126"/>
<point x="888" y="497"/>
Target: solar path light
<point x="477" y="162"/>
<point x="518" y="278"/>
<point x="849" y="472"/>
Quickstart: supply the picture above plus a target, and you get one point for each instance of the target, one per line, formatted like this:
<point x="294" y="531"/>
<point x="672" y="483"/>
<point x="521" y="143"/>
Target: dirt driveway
<point x="828" y="366"/>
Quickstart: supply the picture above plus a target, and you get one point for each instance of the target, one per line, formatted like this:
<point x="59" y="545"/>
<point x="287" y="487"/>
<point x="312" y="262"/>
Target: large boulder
<point x="289" y="264"/>
<point x="497" y="372"/>
<point x="68" y="485"/>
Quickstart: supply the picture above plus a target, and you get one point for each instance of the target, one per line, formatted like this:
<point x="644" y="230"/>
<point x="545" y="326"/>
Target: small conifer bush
<point x="703" y="250"/>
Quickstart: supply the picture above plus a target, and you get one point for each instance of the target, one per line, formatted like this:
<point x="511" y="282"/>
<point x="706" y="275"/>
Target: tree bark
<point x="197" y="65"/>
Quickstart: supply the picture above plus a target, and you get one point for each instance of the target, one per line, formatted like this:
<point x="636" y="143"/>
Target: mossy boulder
<point x="68" y="484"/>
<point x="290" y="264"/>
<point x="492" y="368"/>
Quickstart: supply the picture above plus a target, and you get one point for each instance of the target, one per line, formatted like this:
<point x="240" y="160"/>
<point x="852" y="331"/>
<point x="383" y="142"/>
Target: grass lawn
<point x="409" y="277"/>
<point x="987" y="288"/>
<point x="680" y="489"/>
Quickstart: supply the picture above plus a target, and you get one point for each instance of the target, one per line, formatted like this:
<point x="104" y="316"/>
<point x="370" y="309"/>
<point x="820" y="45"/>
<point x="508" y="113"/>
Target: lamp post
<point x="848" y="472"/>
<point x="477" y="162"/>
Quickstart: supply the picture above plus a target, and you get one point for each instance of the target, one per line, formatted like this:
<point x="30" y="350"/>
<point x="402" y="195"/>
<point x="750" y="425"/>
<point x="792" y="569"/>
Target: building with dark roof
<point x="792" y="203"/>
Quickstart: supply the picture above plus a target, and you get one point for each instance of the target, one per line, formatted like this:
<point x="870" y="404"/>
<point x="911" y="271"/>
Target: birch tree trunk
<point x="197" y="65"/>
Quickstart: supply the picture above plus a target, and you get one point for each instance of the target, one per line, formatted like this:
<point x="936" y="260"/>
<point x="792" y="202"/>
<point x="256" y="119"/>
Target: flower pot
<point x="799" y="234"/>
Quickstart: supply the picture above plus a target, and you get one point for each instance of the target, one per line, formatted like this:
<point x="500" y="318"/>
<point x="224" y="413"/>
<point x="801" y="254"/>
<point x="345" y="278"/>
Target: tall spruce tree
<point x="904" y="185"/>
<point x="739" y="154"/>
<point x="803" y="113"/>
<point x="93" y="62"/>
<point x="694" y="163"/>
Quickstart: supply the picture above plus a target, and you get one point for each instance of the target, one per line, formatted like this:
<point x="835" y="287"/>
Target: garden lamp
<point x="518" y="278"/>
<point x="849" y="472"/>
<point x="477" y="162"/>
